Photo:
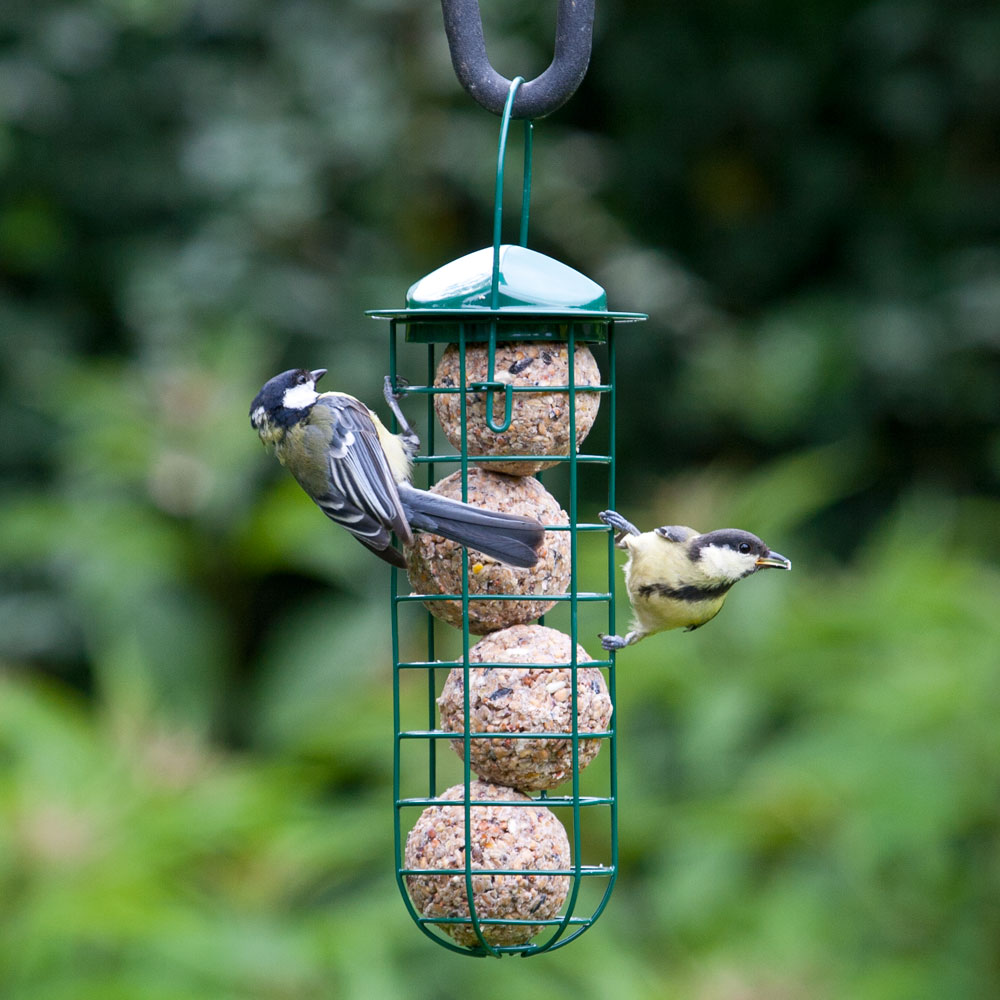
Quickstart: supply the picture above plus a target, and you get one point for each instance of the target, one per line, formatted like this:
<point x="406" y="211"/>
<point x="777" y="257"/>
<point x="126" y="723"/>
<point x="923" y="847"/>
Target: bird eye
<point x="301" y="380"/>
<point x="744" y="547"/>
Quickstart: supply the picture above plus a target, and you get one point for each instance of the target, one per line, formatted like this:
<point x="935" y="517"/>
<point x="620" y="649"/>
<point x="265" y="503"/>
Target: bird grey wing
<point x="362" y="492"/>
<point x="676" y="532"/>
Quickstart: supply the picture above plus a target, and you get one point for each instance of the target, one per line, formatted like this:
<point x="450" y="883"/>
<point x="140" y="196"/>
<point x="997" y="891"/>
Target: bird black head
<point x="284" y="395"/>
<point x="736" y="553"/>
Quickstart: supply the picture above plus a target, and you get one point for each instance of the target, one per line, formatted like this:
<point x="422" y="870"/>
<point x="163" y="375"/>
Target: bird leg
<point x="411" y="440"/>
<point x="622" y="527"/>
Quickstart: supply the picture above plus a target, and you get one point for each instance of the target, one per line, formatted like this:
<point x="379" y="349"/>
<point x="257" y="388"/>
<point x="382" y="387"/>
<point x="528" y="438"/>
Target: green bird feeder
<point x="505" y="784"/>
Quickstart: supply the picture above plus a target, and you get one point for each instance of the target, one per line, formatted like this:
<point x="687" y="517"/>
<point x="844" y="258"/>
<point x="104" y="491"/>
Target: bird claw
<point x="411" y="440"/>
<point x="390" y="392"/>
<point x="614" y="520"/>
<point x="612" y="642"/>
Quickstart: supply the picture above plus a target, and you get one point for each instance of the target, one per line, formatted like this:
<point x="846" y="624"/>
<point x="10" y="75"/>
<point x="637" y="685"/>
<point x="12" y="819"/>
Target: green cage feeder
<point x="477" y="888"/>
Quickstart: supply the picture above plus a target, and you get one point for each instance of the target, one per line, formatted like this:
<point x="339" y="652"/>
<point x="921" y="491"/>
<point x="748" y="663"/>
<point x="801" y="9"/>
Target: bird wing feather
<point x="362" y="494"/>
<point x="676" y="532"/>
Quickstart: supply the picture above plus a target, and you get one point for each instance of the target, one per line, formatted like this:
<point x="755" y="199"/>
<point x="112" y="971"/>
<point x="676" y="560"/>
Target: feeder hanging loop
<point x="463" y="25"/>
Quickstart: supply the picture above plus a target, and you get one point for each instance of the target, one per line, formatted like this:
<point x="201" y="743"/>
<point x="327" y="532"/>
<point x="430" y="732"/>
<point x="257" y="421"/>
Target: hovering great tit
<point x="357" y="472"/>
<point x="679" y="578"/>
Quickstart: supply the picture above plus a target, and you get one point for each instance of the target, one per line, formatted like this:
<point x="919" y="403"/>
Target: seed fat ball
<point x="530" y="839"/>
<point x="518" y="700"/>
<point x="539" y="420"/>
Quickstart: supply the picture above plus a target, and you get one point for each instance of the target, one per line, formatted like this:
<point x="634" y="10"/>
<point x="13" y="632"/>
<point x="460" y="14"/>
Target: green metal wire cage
<point x="591" y="814"/>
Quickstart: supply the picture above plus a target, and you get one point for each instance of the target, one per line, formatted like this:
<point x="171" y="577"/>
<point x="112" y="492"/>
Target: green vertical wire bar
<point x="498" y="191"/>
<point x="526" y="182"/>
<point x="394" y="577"/>
<point x="466" y="707"/>
<point x="613" y="737"/>
<point x="612" y="669"/>
<point x="495" y="277"/>
<point x="397" y="742"/>
<point x="574" y="624"/>
<point x="573" y="637"/>
<point x="431" y="651"/>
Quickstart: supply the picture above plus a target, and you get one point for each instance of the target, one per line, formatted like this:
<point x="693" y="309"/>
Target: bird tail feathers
<point x="508" y="538"/>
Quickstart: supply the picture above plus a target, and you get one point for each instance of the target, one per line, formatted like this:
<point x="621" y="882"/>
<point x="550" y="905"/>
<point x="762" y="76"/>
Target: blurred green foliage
<point x="195" y="725"/>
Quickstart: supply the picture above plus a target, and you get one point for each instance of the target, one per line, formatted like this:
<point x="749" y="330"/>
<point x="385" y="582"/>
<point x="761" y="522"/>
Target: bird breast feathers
<point x="397" y="456"/>
<point x="653" y="558"/>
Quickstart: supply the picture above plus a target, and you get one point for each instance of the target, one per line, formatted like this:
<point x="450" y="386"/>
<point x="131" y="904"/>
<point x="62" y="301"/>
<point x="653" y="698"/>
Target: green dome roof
<point x="527" y="279"/>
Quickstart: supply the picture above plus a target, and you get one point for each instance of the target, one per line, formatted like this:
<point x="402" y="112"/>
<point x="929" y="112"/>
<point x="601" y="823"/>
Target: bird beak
<point x="318" y="374"/>
<point x="774" y="560"/>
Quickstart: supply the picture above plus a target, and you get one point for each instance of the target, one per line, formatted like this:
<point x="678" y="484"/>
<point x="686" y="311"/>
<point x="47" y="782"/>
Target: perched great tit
<point x="679" y="578"/>
<point x="358" y="473"/>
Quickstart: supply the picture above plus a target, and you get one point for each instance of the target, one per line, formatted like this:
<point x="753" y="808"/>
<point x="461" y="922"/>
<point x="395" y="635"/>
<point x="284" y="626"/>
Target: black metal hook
<point x="463" y="25"/>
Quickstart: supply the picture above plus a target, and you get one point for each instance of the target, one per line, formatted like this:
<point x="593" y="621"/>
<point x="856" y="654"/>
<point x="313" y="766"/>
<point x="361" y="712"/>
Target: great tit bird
<point x="358" y="473"/>
<point x="679" y="578"/>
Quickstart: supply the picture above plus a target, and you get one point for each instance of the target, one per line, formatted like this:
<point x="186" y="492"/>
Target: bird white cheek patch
<point x="726" y="563"/>
<point x="298" y="397"/>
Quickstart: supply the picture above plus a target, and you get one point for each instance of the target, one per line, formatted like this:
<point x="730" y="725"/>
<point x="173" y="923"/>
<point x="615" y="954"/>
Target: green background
<point x="195" y="684"/>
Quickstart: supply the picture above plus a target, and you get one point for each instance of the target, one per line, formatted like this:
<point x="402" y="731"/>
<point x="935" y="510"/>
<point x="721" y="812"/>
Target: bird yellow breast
<point x="399" y="460"/>
<point x="654" y="567"/>
<point x="650" y="559"/>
